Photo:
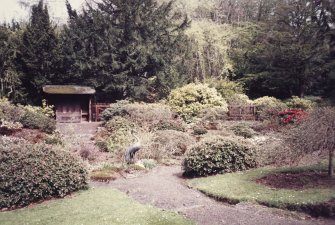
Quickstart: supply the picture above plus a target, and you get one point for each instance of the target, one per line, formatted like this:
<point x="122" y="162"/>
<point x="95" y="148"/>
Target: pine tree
<point x="126" y="48"/>
<point x="38" y="52"/>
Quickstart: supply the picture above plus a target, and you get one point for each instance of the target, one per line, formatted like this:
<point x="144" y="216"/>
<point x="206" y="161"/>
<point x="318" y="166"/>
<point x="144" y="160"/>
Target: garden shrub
<point x="268" y="102"/>
<point x="149" y="163"/>
<point x="117" y="135"/>
<point x="291" y="116"/>
<point x="169" y="125"/>
<point x="29" y="116"/>
<point x="139" y="113"/>
<point x="218" y="155"/>
<point x="115" y="109"/>
<point x="39" y="121"/>
<point x="243" y="131"/>
<point x="239" y="99"/>
<point x="55" y="138"/>
<point x="9" y="112"/>
<point x="144" y="114"/>
<point x="45" y="109"/>
<point x="227" y="88"/>
<point x="268" y="107"/>
<point x="189" y="101"/>
<point x="300" y="103"/>
<point x="198" y="130"/>
<point x="9" y="127"/>
<point x="214" y="114"/>
<point x="167" y="144"/>
<point x="31" y="173"/>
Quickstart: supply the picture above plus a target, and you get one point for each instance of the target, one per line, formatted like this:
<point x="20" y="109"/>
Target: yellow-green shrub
<point x="239" y="99"/>
<point x="45" y="109"/>
<point x="268" y="107"/>
<point x="117" y="135"/>
<point x="267" y="101"/>
<point x="144" y="114"/>
<point x="189" y="101"/>
<point x="300" y="103"/>
<point x="227" y="88"/>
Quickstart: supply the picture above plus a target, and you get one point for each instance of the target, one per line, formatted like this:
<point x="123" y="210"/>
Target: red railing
<point x="97" y="109"/>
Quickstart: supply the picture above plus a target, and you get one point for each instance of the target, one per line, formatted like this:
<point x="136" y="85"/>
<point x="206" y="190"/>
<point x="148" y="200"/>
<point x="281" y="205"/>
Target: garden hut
<point x="72" y="103"/>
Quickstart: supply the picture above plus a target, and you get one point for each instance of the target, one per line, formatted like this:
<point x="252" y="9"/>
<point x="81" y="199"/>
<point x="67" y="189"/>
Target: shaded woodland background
<point x="141" y="49"/>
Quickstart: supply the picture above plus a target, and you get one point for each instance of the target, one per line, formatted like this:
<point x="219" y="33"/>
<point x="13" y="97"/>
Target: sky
<point x="11" y="9"/>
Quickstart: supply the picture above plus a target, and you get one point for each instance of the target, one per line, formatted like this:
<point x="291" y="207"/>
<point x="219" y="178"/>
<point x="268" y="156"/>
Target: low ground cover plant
<point x="31" y="173"/>
<point x="218" y="155"/>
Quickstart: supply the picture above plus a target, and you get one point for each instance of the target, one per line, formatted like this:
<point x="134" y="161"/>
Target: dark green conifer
<point x="38" y="52"/>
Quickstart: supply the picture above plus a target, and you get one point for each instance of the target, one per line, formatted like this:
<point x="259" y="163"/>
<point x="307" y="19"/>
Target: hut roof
<point x="68" y="89"/>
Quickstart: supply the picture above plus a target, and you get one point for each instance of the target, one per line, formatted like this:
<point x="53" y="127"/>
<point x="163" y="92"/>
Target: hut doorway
<point x="72" y="103"/>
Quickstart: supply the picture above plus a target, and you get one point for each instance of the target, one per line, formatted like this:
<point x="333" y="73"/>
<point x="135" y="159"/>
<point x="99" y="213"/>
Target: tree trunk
<point x="331" y="163"/>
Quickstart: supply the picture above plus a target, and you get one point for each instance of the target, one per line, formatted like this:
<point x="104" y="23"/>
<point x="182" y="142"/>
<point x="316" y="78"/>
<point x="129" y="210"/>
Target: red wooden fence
<point x="97" y="109"/>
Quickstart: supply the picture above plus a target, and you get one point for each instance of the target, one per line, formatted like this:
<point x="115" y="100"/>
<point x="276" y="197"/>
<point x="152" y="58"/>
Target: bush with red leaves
<point x="292" y="116"/>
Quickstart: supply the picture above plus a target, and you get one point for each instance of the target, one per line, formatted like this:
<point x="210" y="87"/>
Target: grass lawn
<point x="96" y="206"/>
<point x="241" y="186"/>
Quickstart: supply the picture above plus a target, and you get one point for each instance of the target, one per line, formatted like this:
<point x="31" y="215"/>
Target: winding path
<point x="164" y="188"/>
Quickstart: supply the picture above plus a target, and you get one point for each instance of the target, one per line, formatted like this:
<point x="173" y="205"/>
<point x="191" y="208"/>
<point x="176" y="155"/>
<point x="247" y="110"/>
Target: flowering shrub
<point x="292" y="116"/>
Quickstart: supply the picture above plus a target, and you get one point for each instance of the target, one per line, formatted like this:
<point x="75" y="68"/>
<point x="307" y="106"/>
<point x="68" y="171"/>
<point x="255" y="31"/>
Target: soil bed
<point x="298" y="181"/>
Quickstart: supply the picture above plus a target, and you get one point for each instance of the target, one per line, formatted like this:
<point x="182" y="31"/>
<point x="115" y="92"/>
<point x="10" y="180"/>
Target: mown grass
<point x="97" y="206"/>
<point x="238" y="187"/>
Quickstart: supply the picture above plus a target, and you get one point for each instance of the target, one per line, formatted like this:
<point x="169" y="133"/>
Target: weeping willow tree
<point x="209" y="44"/>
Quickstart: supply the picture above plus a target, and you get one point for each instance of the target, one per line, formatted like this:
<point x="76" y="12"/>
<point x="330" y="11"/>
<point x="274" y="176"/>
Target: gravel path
<point x="163" y="187"/>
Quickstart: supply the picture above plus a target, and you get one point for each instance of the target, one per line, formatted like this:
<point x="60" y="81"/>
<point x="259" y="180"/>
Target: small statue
<point x="130" y="153"/>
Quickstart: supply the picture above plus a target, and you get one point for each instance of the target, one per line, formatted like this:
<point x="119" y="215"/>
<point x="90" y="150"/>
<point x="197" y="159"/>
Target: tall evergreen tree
<point x="284" y="56"/>
<point x="10" y="83"/>
<point x="126" y="48"/>
<point x="38" y="52"/>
